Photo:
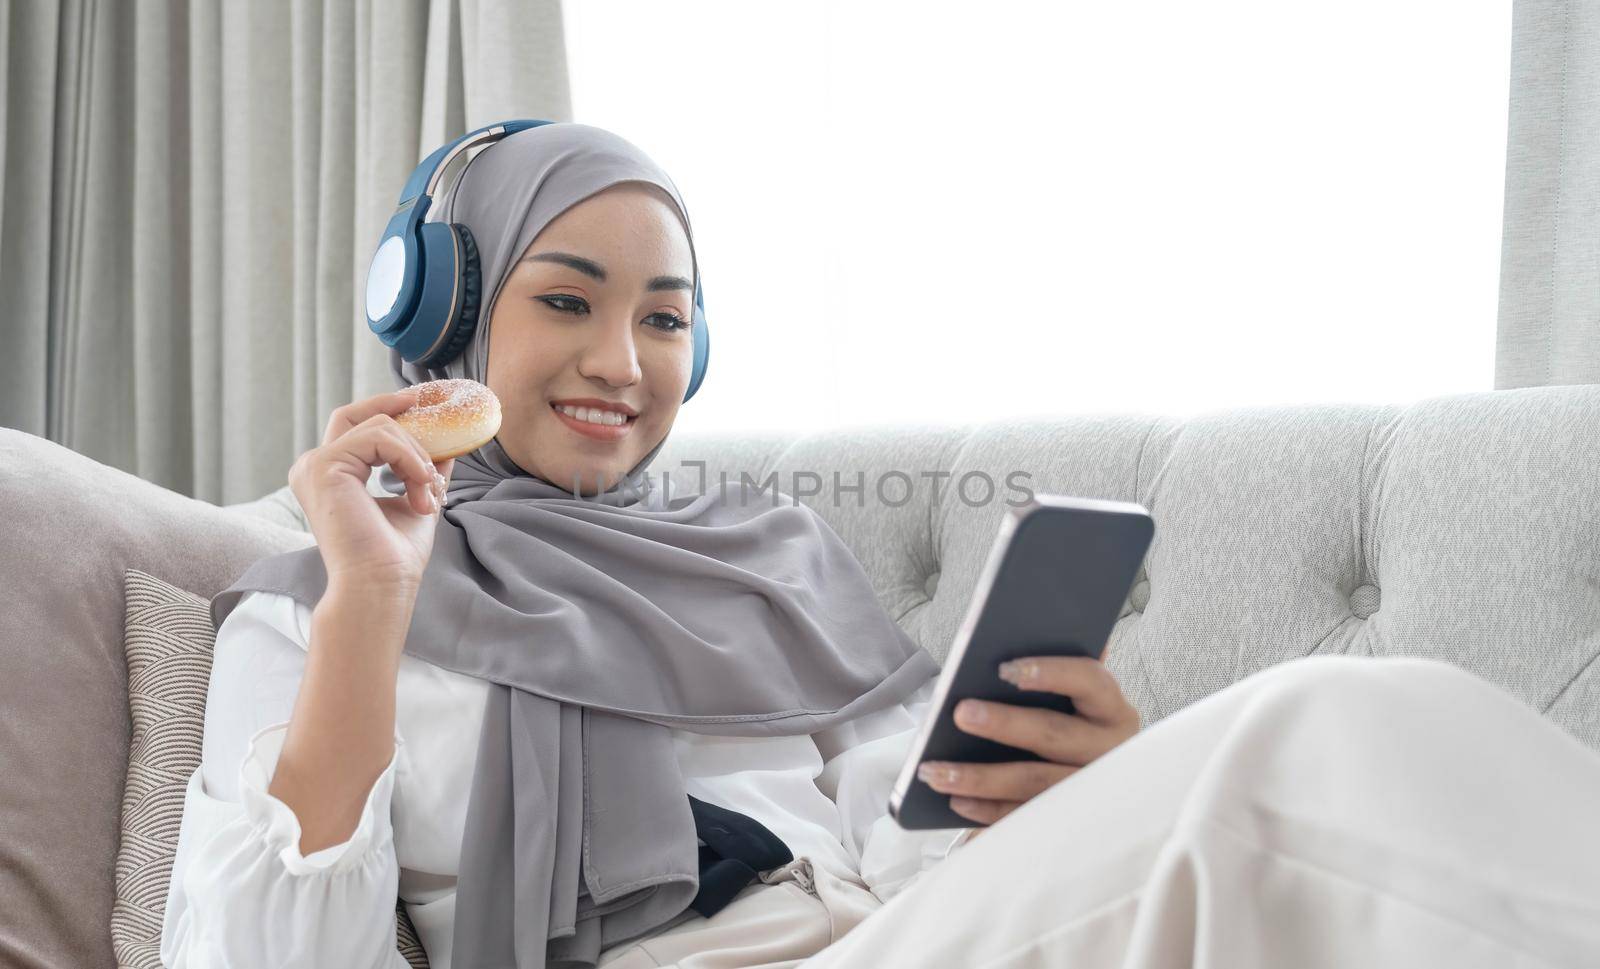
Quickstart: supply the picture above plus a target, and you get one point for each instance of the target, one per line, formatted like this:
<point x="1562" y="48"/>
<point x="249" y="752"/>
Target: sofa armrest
<point x="278" y="507"/>
<point x="281" y="507"/>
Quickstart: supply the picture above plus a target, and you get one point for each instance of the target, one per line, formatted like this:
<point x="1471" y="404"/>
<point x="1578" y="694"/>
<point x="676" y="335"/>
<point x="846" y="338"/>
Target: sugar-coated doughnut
<point x="452" y="417"/>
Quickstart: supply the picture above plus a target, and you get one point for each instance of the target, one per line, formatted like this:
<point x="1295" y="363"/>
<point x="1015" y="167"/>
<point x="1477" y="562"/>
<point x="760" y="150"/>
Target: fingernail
<point x="972" y="711"/>
<point x="930" y="772"/>
<point x="1011" y="671"/>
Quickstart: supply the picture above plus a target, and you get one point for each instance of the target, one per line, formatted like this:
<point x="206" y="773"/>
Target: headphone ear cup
<point x="702" y="344"/>
<point x="466" y="321"/>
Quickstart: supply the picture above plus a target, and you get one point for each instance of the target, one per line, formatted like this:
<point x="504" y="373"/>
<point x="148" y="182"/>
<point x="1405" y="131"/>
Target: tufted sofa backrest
<point x="1464" y="528"/>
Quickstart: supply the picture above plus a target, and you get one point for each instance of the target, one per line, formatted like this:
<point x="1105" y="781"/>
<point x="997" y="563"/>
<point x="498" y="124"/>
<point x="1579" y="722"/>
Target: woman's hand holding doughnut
<point x="375" y="550"/>
<point x="360" y="536"/>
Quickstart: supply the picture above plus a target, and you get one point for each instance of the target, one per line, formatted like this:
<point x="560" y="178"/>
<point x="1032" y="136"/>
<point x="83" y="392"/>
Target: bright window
<point x="952" y="212"/>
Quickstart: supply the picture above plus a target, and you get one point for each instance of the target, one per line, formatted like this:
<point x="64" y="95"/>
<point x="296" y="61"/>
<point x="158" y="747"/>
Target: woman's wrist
<point x="374" y="590"/>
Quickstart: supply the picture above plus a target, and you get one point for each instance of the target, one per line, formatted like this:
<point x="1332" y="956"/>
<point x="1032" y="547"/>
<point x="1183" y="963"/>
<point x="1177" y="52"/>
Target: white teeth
<point x="593" y="415"/>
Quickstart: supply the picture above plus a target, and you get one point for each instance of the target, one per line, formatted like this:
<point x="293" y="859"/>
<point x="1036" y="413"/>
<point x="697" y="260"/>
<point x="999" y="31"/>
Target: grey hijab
<point x="601" y="621"/>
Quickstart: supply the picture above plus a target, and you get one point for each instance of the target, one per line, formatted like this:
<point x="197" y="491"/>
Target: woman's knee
<point x="1370" y="679"/>
<point x="1354" y="701"/>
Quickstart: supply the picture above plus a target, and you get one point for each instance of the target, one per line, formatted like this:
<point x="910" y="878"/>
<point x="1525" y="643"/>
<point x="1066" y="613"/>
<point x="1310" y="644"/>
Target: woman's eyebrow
<point x="593" y="269"/>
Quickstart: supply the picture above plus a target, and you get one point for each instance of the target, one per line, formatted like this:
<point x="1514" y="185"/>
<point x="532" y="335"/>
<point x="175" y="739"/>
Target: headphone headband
<point x="425" y="179"/>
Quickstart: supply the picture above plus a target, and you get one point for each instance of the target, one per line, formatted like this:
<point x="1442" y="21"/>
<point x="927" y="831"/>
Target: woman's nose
<point x="611" y="354"/>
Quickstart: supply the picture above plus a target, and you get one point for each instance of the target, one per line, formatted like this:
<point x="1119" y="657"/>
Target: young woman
<point x="496" y="710"/>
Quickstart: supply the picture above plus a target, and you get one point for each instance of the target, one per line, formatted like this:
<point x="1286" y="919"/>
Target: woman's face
<point x="590" y="316"/>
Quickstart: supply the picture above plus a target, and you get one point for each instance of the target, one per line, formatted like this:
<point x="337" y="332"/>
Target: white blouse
<point x="242" y="895"/>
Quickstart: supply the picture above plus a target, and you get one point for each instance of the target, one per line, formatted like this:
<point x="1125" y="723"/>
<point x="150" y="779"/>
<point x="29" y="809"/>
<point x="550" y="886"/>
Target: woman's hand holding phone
<point x="985" y="793"/>
<point x="362" y="537"/>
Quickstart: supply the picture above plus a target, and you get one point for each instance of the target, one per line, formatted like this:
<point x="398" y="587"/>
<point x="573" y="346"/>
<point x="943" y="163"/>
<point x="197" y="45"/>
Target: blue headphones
<point x="424" y="284"/>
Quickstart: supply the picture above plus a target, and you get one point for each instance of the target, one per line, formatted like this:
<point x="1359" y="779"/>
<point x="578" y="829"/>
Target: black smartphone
<point x="1056" y="579"/>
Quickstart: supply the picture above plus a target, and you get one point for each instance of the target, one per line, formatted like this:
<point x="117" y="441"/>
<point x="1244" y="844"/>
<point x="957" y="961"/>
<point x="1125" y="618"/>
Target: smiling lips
<point x="601" y="420"/>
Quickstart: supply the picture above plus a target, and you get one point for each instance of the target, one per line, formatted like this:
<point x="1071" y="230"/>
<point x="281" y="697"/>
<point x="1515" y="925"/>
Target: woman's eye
<point x="674" y="322"/>
<point x="553" y="300"/>
<point x="572" y="304"/>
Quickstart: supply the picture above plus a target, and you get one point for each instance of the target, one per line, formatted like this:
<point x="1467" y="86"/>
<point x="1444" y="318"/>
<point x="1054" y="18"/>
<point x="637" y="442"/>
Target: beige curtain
<point x="1549" y="327"/>
<point x="190" y="191"/>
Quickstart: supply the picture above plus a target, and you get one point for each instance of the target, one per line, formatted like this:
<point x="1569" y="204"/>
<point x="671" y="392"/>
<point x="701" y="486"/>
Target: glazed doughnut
<point x="452" y="417"/>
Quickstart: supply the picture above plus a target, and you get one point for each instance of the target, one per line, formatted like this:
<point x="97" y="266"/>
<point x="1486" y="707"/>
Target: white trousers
<point x="1330" y="811"/>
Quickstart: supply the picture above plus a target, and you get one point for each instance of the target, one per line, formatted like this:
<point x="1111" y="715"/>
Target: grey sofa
<point x="1464" y="528"/>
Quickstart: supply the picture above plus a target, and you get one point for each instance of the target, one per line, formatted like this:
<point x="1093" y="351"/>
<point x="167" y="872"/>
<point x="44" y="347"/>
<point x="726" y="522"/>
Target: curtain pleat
<point x="1549" y="315"/>
<point x="190" y="191"/>
<point x="160" y="279"/>
<point x="29" y="326"/>
<point x="205" y="217"/>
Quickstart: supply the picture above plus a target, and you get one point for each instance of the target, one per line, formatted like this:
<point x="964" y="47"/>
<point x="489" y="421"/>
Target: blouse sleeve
<point x="242" y="895"/>
<point x="861" y="759"/>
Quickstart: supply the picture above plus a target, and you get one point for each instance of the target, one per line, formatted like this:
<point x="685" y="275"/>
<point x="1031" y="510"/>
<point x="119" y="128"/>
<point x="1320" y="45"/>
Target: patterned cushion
<point x="168" y="638"/>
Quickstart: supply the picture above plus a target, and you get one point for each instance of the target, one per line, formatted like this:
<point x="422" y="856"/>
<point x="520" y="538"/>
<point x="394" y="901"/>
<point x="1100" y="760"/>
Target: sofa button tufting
<point x="1139" y="596"/>
<point x="930" y="585"/>
<point x="1364" y="600"/>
